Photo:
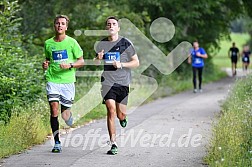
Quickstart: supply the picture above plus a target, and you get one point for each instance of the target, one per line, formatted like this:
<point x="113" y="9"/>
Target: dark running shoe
<point x="124" y="122"/>
<point x="113" y="150"/>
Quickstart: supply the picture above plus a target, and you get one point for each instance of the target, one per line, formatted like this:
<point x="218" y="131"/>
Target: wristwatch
<point x="71" y="66"/>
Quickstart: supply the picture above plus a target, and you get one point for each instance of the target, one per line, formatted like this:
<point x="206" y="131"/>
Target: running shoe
<point x="113" y="150"/>
<point x="124" y="122"/>
<point x="195" y="91"/>
<point x="57" y="147"/>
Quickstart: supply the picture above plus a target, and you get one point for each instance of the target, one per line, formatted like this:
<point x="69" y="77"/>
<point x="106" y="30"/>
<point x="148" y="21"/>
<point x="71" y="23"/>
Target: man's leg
<point x="233" y="68"/>
<point x="53" y="98"/>
<point x="233" y="62"/>
<point x="121" y="113"/>
<point x="111" y="113"/>
<point x="66" y="100"/>
<point x="67" y="115"/>
<point x="54" y="106"/>
<point x="109" y="95"/>
<point x="121" y="105"/>
<point x="247" y="71"/>
<point x="110" y="104"/>
<point x="246" y="66"/>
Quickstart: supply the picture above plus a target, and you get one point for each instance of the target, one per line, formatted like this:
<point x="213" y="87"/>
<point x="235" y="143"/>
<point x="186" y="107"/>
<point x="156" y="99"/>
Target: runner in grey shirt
<point x="119" y="57"/>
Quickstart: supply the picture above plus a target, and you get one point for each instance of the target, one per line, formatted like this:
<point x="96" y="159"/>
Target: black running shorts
<point x="117" y="92"/>
<point x="234" y="59"/>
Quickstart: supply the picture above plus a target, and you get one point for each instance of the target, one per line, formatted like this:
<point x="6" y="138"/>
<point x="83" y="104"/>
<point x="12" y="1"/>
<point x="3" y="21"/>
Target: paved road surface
<point x="168" y="132"/>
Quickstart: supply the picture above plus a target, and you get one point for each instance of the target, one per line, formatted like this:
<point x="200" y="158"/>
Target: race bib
<point x="197" y="61"/>
<point x="60" y="56"/>
<point x="233" y="53"/>
<point x="111" y="56"/>
<point x="245" y="59"/>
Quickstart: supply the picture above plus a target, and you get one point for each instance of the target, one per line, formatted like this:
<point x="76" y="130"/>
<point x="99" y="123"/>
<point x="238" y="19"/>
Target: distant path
<point x="240" y="72"/>
<point x="155" y="133"/>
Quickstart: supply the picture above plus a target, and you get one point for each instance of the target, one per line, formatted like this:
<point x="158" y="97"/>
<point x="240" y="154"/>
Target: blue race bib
<point x="198" y="61"/>
<point x="60" y="56"/>
<point x="111" y="56"/>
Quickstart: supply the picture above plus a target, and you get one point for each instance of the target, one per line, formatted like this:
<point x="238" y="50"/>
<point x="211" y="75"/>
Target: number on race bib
<point x="110" y="57"/>
<point x="60" y="56"/>
<point x="197" y="61"/>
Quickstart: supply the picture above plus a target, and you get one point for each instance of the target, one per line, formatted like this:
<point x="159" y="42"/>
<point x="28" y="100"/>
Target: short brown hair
<point x="112" y="17"/>
<point x="62" y="16"/>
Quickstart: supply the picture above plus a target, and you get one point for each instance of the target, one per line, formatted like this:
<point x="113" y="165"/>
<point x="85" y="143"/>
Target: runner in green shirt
<point x="63" y="55"/>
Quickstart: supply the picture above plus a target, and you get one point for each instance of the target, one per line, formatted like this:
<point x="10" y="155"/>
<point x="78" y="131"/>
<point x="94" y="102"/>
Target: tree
<point x="205" y="20"/>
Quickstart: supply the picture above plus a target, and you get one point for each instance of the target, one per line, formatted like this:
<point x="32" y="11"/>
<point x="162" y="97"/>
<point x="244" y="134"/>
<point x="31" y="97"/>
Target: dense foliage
<point x="20" y="81"/>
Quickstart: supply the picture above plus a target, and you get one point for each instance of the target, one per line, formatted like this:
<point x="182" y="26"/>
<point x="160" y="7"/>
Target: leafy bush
<point x="20" y="77"/>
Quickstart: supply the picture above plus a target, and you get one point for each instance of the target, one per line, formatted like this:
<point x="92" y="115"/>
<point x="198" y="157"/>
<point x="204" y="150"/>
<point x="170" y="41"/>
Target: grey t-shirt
<point x="121" y="50"/>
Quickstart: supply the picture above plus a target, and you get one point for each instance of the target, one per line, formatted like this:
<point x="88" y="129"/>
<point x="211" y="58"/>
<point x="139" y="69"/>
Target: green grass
<point x="27" y="127"/>
<point x="220" y="58"/>
<point x="231" y="142"/>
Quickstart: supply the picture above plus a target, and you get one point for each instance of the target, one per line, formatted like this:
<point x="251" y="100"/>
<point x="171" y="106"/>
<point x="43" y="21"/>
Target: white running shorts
<point x="63" y="93"/>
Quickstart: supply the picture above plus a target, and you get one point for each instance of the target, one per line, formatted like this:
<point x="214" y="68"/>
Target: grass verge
<point x="27" y="127"/>
<point x="231" y="142"/>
